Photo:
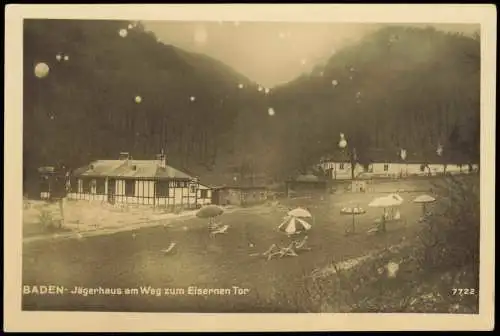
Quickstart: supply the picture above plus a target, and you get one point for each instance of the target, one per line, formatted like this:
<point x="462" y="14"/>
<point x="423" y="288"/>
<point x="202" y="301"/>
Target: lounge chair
<point x="288" y="251"/>
<point x="301" y="245"/>
<point x="214" y="225"/>
<point x="276" y="251"/>
<point x="269" y="253"/>
<point x="219" y="230"/>
<point x="380" y="226"/>
<point x="169" y="249"/>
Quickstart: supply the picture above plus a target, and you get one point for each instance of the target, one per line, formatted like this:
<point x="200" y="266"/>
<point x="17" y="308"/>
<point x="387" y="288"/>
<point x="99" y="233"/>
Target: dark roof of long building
<point x="131" y="169"/>
<point x="233" y="181"/>
<point x="308" y="178"/>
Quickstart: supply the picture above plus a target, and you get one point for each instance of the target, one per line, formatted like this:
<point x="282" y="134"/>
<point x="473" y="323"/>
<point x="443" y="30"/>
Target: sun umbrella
<point x="389" y="201"/>
<point x="293" y="225"/>
<point x="352" y="211"/>
<point x="398" y="199"/>
<point x="424" y="199"/>
<point x="209" y="211"/>
<point x="386" y="201"/>
<point x="300" y="212"/>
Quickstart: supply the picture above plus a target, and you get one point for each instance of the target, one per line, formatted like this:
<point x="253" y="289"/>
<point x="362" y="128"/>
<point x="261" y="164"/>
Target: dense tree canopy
<point x="399" y="87"/>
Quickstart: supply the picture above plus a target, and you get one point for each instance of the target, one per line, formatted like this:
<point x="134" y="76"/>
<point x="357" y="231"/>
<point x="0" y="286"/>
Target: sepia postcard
<point x="249" y="167"/>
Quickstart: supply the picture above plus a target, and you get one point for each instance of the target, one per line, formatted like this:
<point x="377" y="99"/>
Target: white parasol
<point x="398" y="199"/>
<point x="424" y="199"/>
<point x="389" y="201"/>
<point x="292" y="225"/>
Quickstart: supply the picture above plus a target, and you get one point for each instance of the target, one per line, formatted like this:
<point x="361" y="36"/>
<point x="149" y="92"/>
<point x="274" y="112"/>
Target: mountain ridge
<point x="396" y="87"/>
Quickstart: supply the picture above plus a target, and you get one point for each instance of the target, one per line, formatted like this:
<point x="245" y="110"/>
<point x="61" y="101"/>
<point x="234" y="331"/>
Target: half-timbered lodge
<point x="149" y="182"/>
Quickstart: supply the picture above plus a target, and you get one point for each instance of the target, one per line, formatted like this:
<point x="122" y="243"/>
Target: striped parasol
<point x="292" y="225"/>
<point x="300" y="212"/>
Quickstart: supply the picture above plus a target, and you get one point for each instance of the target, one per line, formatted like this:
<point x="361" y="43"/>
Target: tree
<point x="452" y="150"/>
<point x="91" y="96"/>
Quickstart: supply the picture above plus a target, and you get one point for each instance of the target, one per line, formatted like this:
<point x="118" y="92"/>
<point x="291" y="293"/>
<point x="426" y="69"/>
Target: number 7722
<point x="463" y="291"/>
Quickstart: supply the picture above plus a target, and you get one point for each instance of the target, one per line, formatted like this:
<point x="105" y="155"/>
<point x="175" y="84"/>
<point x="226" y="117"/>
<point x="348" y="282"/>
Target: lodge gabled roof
<point x="131" y="169"/>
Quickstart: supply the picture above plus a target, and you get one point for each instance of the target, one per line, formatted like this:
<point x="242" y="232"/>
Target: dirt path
<point x="167" y="219"/>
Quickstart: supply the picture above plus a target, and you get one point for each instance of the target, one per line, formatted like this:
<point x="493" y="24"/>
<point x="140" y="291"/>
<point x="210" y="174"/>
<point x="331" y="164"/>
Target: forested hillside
<point x="86" y="107"/>
<point x="399" y="87"/>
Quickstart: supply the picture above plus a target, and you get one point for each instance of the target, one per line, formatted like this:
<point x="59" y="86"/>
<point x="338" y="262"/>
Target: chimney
<point x="161" y="159"/>
<point x="124" y="156"/>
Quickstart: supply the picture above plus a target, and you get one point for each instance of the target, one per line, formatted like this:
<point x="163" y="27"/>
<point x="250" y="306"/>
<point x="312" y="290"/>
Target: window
<point x="93" y="187"/>
<point x="162" y="189"/>
<point x="341" y="166"/>
<point x="192" y="188"/>
<point x="86" y="186"/>
<point x="422" y="168"/>
<point x="73" y="184"/>
<point x="386" y="167"/>
<point x="130" y="188"/>
<point x="100" y="187"/>
<point x="204" y="193"/>
<point x="178" y="184"/>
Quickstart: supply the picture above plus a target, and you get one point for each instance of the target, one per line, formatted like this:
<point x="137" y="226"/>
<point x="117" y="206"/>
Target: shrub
<point x="46" y="220"/>
<point x="450" y="236"/>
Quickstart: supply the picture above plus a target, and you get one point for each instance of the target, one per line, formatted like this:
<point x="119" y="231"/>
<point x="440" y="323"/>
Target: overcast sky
<point x="269" y="53"/>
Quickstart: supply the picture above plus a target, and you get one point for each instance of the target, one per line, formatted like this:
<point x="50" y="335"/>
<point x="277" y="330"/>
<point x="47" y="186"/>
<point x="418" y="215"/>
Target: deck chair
<point x="380" y="226"/>
<point x="271" y="251"/>
<point x="301" y="245"/>
<point x="288" y="251"/>
<point x="169" y="249"/>
<point x="219" y="230"/>
<point x="213" y="225"/>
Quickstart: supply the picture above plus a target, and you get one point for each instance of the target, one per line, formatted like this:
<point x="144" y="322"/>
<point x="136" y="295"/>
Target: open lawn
<point x="134" y="259"/>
